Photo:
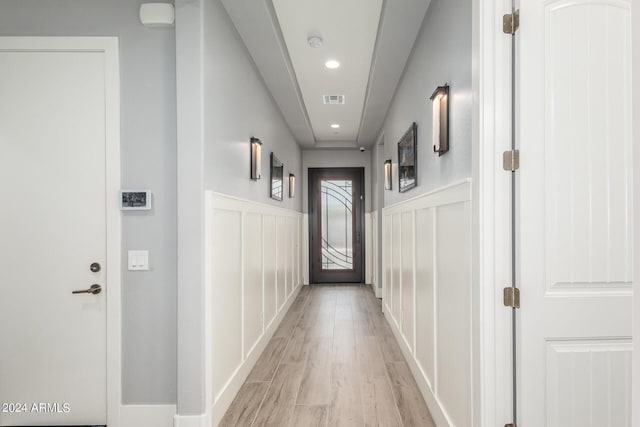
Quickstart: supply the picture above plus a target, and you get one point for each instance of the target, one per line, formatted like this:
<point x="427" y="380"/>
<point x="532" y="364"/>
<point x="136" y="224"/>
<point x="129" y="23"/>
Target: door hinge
<point x="511" y="297"/>
<point x="510" y="425"/>
<point x="511" y="22"/>
<point x="511" y="160"/>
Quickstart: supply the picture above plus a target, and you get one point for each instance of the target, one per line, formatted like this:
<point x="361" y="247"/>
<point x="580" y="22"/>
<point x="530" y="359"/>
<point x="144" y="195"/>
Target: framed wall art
<point x="277" y="174"/>
<point x="407" y="159"/>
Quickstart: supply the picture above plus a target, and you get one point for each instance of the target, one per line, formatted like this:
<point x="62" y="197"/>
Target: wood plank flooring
<point x="332" y="362"/>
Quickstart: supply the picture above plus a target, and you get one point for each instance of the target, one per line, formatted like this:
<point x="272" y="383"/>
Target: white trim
<point x="374" y="249"/>
<point x="225" y="201"/>
<point x="491" y="65"/>
<point x="456" y="192"/>
<point x="147" y="415"/>
<point x="434" y="257"/>
<point x="414" y="263"/>
<point x="182" y="421"/>
<point x="191" y="421"/>
<point x="114" y="229"/>
<point x="368" y="249"/>
<point x="635" y="383"/>
<point x="305" y="249"/>
<point x="109" y="46"/>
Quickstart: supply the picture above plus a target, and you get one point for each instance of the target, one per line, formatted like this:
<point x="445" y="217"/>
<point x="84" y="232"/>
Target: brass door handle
<point x="94" y="289"/>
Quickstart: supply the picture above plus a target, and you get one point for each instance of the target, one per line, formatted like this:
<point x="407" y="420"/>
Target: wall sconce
<point x="440" y="99"/>
<point x="292" y="185"/>
<point x="387" y="174"/>
<point x="256" y="158"/>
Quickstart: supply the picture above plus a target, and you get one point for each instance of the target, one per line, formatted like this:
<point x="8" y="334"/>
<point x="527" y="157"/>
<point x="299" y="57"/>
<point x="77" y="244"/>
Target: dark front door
<point x="336" y="216"/>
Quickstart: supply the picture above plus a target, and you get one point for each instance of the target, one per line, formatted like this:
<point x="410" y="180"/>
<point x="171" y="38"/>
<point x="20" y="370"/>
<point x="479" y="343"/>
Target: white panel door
<point x="575" y="218"/>
<point x="52" y="228"/>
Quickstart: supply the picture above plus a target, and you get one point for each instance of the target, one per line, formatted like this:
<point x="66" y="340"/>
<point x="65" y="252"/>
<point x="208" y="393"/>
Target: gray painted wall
<point x="222" y="102"/>
<point x="336" y="158"/>
<point x="148" y="147"/>
<point x="190" y="170"/>
<point x="442" y="54"/>
<point x="238" y="106"/>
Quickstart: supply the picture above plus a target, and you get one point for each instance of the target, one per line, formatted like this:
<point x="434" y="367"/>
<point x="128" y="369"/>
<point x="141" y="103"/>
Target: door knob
<point x="94" y="289"/>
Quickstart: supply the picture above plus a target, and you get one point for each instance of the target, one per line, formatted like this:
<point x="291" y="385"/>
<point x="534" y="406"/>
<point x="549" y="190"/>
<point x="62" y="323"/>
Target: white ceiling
<point x="372" y="40"/>
<point x="348" y="30"/>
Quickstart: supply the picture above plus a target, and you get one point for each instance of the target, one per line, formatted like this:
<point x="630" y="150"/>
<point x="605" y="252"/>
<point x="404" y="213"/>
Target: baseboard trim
<point x="438" y="414"/>
<point x="191" y="421"/>
<point x="147" y="415"/>
<point x="378" y="292"/>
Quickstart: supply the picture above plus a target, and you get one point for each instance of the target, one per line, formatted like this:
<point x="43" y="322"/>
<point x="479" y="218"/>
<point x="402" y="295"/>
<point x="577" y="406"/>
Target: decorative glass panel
<point x="337" y="224"/>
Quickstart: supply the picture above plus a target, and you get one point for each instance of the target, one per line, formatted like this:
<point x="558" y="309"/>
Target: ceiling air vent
<point x="333" y="99"/>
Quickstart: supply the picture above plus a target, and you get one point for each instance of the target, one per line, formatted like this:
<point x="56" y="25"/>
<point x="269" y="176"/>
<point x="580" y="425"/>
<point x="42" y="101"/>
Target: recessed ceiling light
<point x="335" y="126"/>
<point x="314" y="41"/>
<point x="332" y="64"/>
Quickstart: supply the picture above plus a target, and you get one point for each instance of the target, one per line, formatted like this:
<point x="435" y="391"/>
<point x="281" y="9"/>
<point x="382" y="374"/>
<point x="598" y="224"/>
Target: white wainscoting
<point x="253" y="270"/>
<point x="427" y="295"/>
<point x="375" y="261"/>
<point x="191" y="421"/>
<point x="305" y="249"/>
<point x="368" y="248"/>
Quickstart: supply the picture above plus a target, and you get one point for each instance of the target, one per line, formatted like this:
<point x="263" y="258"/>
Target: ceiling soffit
<point x="372" y="40"/>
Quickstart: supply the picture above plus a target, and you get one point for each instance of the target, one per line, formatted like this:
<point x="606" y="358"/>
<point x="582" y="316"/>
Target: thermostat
<point x="132" y="200"/>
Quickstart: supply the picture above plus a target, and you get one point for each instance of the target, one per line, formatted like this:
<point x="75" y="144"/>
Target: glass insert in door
<point x="337" y="224"/>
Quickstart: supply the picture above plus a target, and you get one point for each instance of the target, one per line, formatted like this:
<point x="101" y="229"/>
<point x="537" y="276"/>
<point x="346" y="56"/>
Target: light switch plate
<point x="138" y="260"/>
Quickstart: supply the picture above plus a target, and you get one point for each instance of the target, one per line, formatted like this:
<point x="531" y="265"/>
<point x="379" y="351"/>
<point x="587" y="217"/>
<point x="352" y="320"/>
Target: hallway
<point x="332" y="362"/>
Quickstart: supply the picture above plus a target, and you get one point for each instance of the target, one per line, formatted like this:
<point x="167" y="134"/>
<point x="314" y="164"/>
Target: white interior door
<point x="575" y="217"/>
<point x="52" y="229"/>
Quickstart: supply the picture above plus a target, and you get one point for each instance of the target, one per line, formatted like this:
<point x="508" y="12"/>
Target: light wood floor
<point x="332" y="362"/>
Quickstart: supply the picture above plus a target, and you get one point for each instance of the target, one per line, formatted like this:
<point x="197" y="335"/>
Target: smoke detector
<point x="314" y="41"/>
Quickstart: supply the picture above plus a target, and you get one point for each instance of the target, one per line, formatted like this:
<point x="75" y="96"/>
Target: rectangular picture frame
<point x="407" y="159"/>
<point x="277" y="178"/>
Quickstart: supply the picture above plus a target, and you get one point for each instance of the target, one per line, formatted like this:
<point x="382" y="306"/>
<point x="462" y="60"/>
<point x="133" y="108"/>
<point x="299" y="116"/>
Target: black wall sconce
<point x="440" y="100"/>
<point x="387" y="174"/>
<point x="292" y="185"/>
<point x="256" y="158"/>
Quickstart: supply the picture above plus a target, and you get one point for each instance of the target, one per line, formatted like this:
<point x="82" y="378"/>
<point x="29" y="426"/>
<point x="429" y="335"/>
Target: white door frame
<point x="109" y="46"/>
<point x="491" y="200"/>
<point x="491" y="239"/>
<point x="635" y="83"/>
